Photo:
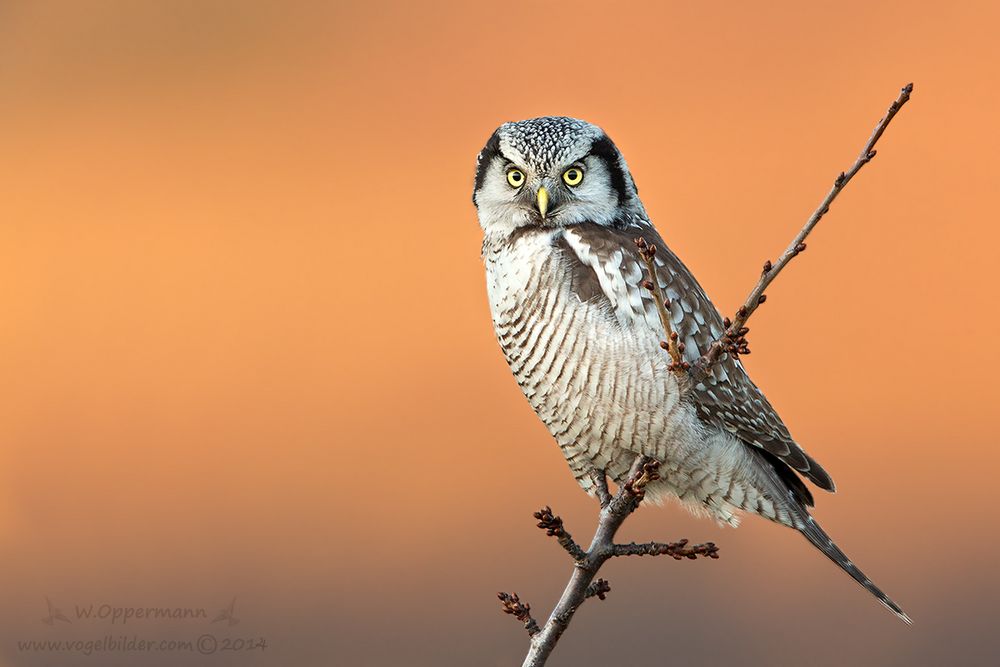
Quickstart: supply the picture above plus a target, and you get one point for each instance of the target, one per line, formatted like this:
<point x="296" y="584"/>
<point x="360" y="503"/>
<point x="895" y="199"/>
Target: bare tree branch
<point x="733" y="340"/>
<point x="676" y="550"/>
<point x="587" y="563"/>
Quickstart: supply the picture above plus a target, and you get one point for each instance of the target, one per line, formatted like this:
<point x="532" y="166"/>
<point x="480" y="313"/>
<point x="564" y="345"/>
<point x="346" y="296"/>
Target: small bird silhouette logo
<point x="228" y="614"/>
<point x="54" y="614"/>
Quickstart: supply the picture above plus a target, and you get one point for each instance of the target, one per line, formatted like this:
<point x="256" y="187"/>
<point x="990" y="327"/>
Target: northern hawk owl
<point x="560" y="212"/>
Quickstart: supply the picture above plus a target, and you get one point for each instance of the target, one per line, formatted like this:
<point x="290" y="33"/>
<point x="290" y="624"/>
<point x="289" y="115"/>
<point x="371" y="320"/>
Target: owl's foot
<point x="648" y="471"/>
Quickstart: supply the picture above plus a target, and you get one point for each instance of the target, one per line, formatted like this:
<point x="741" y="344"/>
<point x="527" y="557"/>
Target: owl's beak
<point x="543" y="200"/>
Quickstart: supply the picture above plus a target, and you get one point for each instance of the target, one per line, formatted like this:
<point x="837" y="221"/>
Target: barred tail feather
<point x="822" y="541"/>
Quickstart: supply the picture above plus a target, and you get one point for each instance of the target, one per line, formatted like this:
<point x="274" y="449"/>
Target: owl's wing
<point x="727" y="398"/>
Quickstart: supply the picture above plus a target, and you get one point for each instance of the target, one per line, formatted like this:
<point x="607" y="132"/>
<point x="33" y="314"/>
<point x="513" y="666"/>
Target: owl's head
<point x="552" y="171"/>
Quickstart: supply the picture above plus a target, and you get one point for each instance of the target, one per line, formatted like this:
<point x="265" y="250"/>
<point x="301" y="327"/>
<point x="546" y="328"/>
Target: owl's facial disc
<point x="551" y="172"/>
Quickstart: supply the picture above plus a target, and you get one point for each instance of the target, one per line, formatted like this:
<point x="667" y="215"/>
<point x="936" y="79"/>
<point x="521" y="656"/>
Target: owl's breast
<point x="592" y="374"/>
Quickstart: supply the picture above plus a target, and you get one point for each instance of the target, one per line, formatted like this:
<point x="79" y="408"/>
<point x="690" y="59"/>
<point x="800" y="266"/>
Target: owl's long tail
<point x="819" y="539"/>
<point x="783" y="483"/>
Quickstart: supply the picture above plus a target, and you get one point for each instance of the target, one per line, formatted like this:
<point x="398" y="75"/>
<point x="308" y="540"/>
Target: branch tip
<point x="512" y="605"/>
<point x="551" y="524"/>
<point x="553" y="527"/>
<point x="731" y="341"/>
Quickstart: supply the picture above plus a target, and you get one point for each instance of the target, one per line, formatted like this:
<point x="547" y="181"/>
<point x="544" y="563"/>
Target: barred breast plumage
<point x="591" y="370"/>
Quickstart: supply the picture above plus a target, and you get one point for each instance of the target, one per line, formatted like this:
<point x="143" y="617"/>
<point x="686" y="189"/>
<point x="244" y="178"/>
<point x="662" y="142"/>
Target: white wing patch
<point x="620" y="281"/>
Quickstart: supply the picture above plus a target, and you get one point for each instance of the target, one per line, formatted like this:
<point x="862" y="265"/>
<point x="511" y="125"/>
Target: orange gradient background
<point x="247" y="353"/>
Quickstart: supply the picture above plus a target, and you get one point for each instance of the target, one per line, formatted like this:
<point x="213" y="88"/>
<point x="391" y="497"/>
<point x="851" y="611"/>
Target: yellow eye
<point x="515" y="177"/>
<point x="573" y="176"/>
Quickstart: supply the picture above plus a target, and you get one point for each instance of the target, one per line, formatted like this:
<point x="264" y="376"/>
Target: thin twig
<point x="519" y="610"/>
<point x="674" y="348"/>
<point x="676" y="550"/>
<point x="553" y="527"/>
<point x="733" y="340"/>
